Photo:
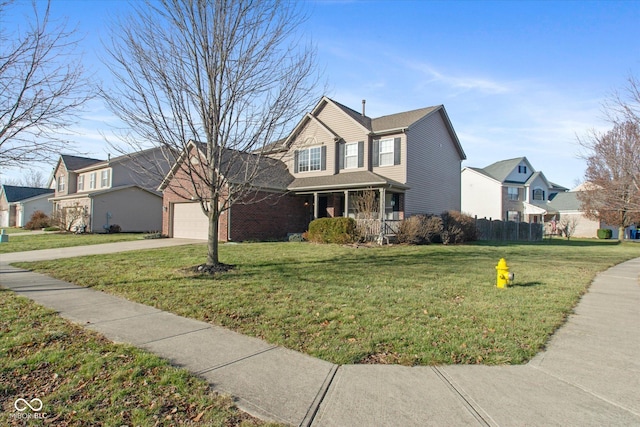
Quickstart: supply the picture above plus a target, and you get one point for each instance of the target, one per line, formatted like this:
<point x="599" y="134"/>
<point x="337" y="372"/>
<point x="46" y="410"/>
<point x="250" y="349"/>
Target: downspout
<point x="229" y="224"/>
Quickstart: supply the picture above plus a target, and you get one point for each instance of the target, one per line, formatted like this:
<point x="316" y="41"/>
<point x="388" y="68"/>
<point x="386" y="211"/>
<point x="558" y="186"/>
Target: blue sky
<point x="517" y="78"/>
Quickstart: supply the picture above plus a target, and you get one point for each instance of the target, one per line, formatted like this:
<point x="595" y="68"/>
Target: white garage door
<point x="189" y="222"/>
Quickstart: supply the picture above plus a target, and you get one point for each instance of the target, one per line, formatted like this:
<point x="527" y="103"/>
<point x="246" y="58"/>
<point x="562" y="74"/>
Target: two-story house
<point x="411" y="160"/>
<point x="509" y="190"/>
<point x="98" y="194"/>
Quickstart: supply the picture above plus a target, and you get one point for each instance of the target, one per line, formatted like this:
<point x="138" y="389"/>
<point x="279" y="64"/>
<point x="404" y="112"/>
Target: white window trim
<point x="305" y="155"/>
<point x="92" y="181"/>
<point x="105" y="178"/>
<point x="353" y="157"/>
<point x="81" y="183"/>
<point x="61" y="183"/>
<point x="391" y="142"/>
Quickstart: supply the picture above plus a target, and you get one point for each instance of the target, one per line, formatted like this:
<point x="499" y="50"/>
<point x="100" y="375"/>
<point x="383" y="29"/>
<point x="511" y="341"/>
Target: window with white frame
<point x="513" y="216"/>
<point x="538" y="194"/>
<point x="512" y="193"/>
<point x="92" y="180"/>
<point x="522" y="169"/>
<point x="386" y="152"/>
<point x="81" y="183"/>
<point x="351" y="155"/>
<point x="310" y="159"/>
<point x="61" y="183"/>
<point x="104" y="178"/>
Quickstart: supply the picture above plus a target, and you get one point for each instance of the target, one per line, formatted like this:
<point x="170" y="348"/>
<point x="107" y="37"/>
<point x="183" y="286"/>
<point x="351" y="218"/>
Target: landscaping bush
<point x="37" y="221"/>
<point x="114" y="228"/>
<point x="333" y="230"/>
<point x="420" y="229"/>
<point x="604" y="233"/>
<point x="457" y="228"/>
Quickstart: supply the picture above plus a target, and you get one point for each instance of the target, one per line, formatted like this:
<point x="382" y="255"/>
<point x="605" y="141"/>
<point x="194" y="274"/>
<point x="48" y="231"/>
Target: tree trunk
<point x="621" y="233"/>
<point x="212" y="241"/>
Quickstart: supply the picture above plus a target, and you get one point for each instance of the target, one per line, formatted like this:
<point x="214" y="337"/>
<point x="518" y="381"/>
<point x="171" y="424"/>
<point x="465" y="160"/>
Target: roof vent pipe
<point x="364" y="101"/>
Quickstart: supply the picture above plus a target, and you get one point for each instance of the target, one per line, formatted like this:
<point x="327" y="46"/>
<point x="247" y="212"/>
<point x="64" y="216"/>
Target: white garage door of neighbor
<point x="189" y="222"/>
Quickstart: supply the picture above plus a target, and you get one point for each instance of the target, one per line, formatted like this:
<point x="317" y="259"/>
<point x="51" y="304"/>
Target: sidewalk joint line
<point x="222" y="365"/>
<point x="466" y="400"/>
<point x="310" y="416"/>
<point x="204" y="328"/>
<point x="586" y="390"/>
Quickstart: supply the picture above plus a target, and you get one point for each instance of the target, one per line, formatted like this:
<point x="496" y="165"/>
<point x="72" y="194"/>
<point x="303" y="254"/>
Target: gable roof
<point x="14" y="193"/>
<point x="566" y="201"/>
<point x="401" y="120"/>
<point x="364" y="121"/>
<point x="500" y="170"/>
<point x="269" y="173"/>
<point x="73" y="163"/>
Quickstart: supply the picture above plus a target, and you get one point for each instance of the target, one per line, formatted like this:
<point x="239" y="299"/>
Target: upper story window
<point x="61" y="183"/>
<point x="522" y="169"/>
<point x="92" y="180"/>
<point x="512" y="193"/>
<point x="538" y="194"/>
<point x="81" y="183"/>
<point x="104" y="178"/>
<point x="310" y="159"/>
<point x="386" y="152"/>
<point x="351" y="155"/>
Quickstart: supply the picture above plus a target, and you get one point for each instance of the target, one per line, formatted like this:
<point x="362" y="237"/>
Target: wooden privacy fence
<point x="489" y="229"/>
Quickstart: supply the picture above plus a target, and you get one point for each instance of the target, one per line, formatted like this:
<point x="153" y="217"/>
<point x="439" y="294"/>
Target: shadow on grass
<point x="548" y="242"/>
<point x="527" y="284"/>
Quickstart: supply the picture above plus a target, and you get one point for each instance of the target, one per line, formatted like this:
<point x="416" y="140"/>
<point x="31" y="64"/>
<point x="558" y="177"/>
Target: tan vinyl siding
<point x="433" y="165"/>
<point x="312" y="135"/>
<point x="395" y="172"/>
<point x="342" y="124"/>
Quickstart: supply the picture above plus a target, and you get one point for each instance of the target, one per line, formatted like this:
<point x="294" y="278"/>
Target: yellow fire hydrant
<point x="504" y="278"/>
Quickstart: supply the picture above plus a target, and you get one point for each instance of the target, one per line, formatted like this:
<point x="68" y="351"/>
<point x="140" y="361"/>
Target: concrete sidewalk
<point x="588" y="376"/>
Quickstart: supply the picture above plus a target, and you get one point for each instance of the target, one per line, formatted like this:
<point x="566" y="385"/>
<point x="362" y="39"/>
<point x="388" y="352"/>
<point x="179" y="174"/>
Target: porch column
<point x="346" y="204"/>
<point x="315" y="205"/>
<point x="382" y="209"/>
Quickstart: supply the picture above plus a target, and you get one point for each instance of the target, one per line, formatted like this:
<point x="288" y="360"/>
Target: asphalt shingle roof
<point x="75" y="162"/>
<point x="342" y="180"/>
<point x="500" y="170"/>
<point x="400" y="120"/>
<point x="15" y="193"/>
<point x="566" y="201"/>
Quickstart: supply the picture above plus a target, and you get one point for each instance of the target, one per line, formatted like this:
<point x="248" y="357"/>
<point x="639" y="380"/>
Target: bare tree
<point x="42" y="87"/>
<point x="568" y="225"/>
<point x="31" y="178"/>
<point x="228" y="74"/>
<point x="612" y="194"/>
<point x="624" y="106"/>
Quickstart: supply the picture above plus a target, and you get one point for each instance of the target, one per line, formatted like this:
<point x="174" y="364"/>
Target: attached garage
<point x="189" y="222"/>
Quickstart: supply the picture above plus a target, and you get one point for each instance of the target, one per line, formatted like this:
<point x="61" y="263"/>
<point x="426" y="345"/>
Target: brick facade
<point x="271" y="216"/>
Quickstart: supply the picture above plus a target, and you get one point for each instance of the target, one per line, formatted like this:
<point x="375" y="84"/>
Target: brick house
<point x="411" y="160"/>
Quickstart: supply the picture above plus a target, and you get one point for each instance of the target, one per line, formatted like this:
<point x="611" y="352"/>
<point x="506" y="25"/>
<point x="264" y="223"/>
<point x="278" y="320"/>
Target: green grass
<point x="13" y="230"/>
<point x="34" y="242"/>
<point x="84" y="379"/>
<point x="406" y="305"/>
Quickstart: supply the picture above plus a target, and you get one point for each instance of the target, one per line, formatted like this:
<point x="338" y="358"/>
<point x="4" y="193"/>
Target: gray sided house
<point x="411" y="160"/>
<point x="120" y="191"/>
<point x="17" y="204"/>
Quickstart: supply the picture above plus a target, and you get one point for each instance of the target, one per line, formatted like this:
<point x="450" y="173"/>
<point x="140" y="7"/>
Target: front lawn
<point x="84" y="379"/>
<point x="400" y="304"/>
<point x="27" y="242"/>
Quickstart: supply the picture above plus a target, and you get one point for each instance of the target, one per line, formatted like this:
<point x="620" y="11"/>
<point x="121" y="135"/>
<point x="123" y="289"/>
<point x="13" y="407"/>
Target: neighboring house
<point x="119" y="191"/>
<point x="508" y="190"/>
<point x="411" y="160"/>
<point x="567" y="208"/>
<point x="17" y="204"/>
